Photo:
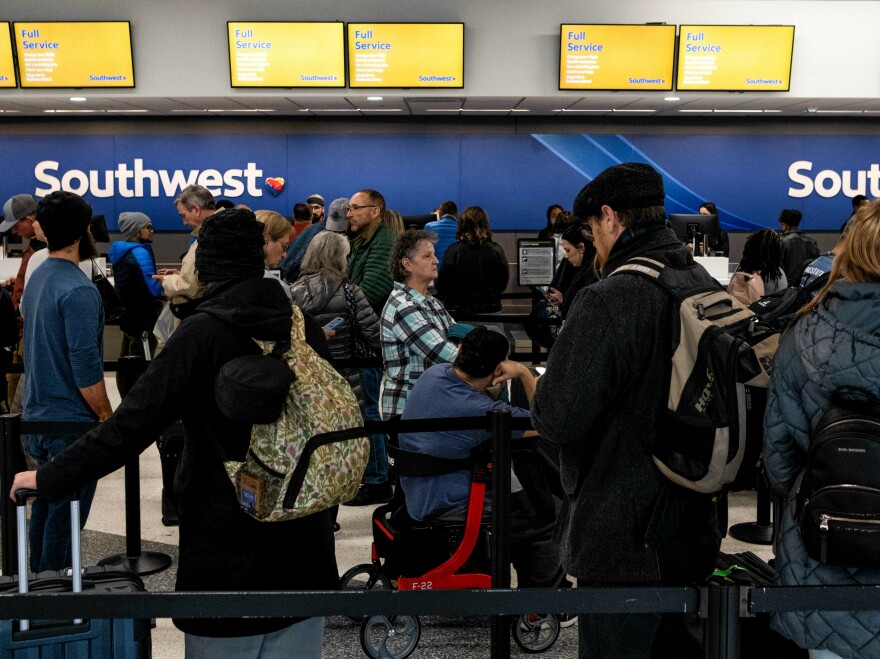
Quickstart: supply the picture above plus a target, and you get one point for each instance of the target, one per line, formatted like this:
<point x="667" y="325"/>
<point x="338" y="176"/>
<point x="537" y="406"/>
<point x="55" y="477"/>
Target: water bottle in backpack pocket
<point x="838" y="502"/>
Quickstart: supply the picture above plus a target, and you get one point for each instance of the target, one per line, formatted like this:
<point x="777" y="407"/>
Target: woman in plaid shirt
<point x="414" y="323"/>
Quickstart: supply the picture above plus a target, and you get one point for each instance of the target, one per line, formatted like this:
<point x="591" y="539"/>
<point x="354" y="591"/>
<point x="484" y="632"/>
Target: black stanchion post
<point x="499" y="422"/>
<point x="13" y="462"/>
<point x="759" y="532"/>
<point x="723" y="624"/>
<point x="129" y="369"/>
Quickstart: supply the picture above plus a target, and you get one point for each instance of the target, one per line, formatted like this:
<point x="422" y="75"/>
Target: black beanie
<point x="230" y="247"/>
<point x="623" y="186"/>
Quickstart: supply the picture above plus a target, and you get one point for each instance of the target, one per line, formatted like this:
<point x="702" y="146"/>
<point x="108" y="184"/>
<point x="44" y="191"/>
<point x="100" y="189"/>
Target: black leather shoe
<point x="371" y="494"/>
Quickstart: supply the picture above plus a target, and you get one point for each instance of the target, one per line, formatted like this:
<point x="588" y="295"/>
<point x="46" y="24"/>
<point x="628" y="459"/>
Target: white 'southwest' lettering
<point x="829" y="183"/>
<point x="134" y="180"/>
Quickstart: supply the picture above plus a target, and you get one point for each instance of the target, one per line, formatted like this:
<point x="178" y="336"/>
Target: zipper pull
<point x="823" y="522"/>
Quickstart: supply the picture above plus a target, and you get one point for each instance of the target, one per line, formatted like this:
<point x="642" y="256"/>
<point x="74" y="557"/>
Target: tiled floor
<point x="441" y="637"/>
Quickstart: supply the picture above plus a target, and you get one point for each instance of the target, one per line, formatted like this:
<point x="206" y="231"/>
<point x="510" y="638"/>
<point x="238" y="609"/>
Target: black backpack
<point x="838" y="502"/>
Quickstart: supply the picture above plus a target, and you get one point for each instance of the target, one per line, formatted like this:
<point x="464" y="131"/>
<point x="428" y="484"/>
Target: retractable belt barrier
<point x="722" y="606"/>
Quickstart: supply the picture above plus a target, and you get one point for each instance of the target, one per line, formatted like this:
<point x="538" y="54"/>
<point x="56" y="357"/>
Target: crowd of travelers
<point x="374" y="291"/>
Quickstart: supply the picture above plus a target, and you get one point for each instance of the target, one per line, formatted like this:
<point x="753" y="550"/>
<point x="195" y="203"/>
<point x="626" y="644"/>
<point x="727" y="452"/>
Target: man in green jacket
<point x="369" y="267"/>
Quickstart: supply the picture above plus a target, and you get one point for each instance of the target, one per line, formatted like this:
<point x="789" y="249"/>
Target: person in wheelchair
<point x="459" y="390"/>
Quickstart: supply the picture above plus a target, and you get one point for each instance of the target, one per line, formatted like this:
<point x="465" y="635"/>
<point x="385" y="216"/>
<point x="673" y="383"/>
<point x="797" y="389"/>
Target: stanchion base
<point x="752" y="532"/>
<point x="149" y="562"/>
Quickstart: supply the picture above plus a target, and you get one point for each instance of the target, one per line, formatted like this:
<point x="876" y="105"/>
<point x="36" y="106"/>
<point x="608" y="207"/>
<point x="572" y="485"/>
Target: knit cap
<point x="624" y="186"/>
<point x="130" y="223"/>
<point x="316" y="199"/>
<point x="230" y="247"/>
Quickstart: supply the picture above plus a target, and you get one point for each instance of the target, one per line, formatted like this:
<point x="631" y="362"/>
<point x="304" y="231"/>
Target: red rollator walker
<point x="432" y="556"/>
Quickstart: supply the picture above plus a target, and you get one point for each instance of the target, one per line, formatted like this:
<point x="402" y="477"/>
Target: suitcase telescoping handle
<point x="21" y="497"/>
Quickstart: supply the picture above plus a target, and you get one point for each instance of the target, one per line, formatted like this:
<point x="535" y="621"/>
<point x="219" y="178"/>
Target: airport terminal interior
<point x="505" y="114"/>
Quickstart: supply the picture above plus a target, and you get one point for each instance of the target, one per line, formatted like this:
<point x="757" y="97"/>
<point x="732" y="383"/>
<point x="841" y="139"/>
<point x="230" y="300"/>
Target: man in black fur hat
<point x="602" y="399"/>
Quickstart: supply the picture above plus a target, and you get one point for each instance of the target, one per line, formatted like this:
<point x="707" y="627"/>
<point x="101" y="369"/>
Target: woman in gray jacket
<point x="834" y="342"/>
<point x="324" y="291"/>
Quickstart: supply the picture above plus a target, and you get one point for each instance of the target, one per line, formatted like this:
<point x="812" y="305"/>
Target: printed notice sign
<point x="82" y="54"/>
<point x="616" y="56"/>
<point x="406" y="54"/>
<point x="286" y="54"/>
<point x="535" y="261"/>
<point x="7" y="67"/>
<point x="734" y="57"/>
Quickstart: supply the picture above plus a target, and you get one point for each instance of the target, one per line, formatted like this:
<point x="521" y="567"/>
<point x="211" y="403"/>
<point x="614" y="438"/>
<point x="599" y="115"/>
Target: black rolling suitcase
<point x="71" y="639"/>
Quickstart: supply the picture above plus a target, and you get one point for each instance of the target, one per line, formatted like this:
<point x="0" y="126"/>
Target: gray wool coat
<point x="836" y="345"/>
<point x="600" y="400"/>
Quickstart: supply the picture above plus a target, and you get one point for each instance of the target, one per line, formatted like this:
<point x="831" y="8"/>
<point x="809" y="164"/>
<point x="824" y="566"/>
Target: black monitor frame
<point x="686" y="225"/>
<point x="98" y="225"/>
<point x="417" y="221"/>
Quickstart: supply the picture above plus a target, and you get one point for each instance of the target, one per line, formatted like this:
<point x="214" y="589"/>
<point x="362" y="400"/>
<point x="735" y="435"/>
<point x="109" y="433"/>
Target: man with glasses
<point x="602" y="400"/>
<point x="369" y="268"/>
<point x="133" y="268"/>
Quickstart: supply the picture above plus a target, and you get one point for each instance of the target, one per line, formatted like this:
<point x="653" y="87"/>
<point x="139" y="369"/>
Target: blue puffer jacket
<point x="837" y="345"/>
<point x="133" y="268"/>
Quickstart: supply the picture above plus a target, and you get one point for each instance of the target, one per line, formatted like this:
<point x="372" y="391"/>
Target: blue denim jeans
<point x="49" y="529"/>
<point x="377" y="467"/>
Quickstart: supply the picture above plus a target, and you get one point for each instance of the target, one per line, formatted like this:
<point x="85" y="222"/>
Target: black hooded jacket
<point x="221" y="547"/>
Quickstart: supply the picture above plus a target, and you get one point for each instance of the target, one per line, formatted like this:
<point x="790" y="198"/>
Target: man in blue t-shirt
<point x="63" y="361"/>
<point x="446" y="228"/>
<point x="460" y="390"/>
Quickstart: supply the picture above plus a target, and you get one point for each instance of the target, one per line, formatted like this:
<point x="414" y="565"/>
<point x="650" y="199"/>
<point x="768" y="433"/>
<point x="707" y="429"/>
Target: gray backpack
<point x="701" y="440"/>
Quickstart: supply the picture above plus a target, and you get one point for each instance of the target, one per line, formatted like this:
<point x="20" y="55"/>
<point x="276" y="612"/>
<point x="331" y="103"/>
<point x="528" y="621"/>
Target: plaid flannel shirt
<point x="414" y="328"/>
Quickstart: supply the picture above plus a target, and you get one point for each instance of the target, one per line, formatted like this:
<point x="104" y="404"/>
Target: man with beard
<point x="63" y="356"/>
<point x="133" y="268"/>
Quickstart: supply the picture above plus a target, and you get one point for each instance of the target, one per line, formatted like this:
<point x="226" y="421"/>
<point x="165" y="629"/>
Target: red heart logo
<point x="275" y="185"/>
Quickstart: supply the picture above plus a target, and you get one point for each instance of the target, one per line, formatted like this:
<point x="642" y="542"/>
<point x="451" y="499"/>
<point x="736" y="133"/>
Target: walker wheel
<point x="390" y="637"/>
<point x="364" y="577"/>
<point x="534" y="632"/>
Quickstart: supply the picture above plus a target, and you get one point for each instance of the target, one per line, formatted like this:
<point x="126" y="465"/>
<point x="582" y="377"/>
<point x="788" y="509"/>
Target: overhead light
<point x="625" y="110"/>
<point x="78" y="99"/>
<point x="738" y="111"/>
<point x="575" y="110"/>
<point x="374" y="98"/>
<point x="381" y="110"/>
<point x="672" y="98"/>
<point x="693" y="110"/>
<point x="68" y="111"/>
<point x="125" y="111"/>
<point x="839" y="111"/>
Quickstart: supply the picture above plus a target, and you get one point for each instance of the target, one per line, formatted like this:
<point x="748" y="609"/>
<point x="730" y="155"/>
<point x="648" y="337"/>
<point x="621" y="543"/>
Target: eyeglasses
<point x="149" y="227"/>
<point x="315" y="206"/>
<point x="355" y="207"/>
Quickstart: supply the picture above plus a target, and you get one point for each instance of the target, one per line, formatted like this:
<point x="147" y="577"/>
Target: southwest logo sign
<point x="136" y="181"/>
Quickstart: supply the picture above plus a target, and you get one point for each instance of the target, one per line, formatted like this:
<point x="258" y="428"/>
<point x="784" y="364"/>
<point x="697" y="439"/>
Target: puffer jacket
<point x="836" y="345"/>
<point x="325" y="300"/>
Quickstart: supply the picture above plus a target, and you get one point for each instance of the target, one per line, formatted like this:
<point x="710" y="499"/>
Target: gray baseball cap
<point x="15" y="209"/>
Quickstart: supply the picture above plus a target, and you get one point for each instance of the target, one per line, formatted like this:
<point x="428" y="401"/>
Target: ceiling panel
<point x="307" y="103"/>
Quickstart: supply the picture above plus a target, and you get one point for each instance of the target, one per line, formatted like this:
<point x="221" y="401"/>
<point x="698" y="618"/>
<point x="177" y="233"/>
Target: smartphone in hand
<point x="333" y="324"/>
<point x="543" y="290"/>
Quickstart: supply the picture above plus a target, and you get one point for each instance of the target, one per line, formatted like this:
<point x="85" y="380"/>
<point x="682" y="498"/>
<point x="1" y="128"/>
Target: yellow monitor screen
<point x="78" y="54"/>
<point x="7" y="67"/>
<point x="286" y="54"/>
<point x="734" y="57"/>
<point x="406" y="54"/>
<point x="616" y="56"/>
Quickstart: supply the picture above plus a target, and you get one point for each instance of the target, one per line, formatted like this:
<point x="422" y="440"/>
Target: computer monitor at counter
<point x="695" y="229"/>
